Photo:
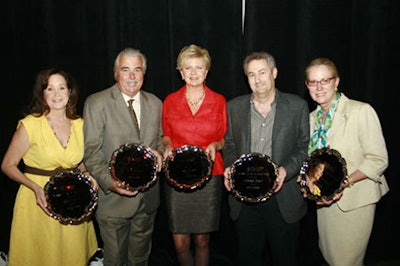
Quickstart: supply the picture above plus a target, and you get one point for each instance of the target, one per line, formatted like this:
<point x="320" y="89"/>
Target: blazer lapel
<point x="280" y="118"/>
<point x="340" y="116"/>
<point x="145" y="108"/>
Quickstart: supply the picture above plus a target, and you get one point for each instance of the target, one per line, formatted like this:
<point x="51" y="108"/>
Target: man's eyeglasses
<point x="313" y="83"/>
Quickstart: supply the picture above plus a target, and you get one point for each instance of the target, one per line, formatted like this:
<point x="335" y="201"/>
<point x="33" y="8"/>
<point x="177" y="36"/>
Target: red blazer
<point x="208" y="125"/>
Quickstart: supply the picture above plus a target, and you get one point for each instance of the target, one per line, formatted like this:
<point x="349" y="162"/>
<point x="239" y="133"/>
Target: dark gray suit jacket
<point x="108" y="125"/>
<point x="290" y="137"/>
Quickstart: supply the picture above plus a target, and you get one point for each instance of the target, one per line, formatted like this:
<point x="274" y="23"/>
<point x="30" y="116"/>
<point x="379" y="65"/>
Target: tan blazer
<point x="108" y="125"/>
<point x="357" y="134"/>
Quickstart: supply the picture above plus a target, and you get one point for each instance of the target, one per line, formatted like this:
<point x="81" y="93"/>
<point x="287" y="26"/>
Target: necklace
<point x="61" y="130"/>
<point x="196" y="102"/>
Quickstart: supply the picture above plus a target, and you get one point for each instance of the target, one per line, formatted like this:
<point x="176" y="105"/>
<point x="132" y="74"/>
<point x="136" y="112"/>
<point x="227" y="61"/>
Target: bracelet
<point x="350" y="180"/>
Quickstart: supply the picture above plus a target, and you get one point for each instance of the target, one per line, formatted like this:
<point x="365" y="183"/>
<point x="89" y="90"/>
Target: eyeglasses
<point x="313" y="83"/>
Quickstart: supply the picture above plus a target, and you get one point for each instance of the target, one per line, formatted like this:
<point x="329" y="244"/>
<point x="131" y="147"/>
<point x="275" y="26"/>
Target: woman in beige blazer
<point x="353" y="128"/>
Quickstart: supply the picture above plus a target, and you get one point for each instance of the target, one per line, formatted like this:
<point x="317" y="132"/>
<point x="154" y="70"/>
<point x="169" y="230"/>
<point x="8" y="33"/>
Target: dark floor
<point x="382" y="250"/>
<point x="223" y="249"/>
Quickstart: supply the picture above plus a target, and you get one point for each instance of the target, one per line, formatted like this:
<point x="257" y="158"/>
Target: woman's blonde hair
<point x="193" y="51"/>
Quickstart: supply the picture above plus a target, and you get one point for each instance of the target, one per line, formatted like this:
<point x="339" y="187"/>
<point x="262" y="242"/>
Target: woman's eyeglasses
<point x="313" y="83"/>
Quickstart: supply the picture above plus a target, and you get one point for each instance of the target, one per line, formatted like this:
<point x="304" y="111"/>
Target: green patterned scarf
<point x="321" y="128"/>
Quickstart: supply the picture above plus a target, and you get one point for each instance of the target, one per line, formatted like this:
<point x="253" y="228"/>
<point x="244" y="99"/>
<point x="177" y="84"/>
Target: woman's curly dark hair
<point x="38" y="105"/>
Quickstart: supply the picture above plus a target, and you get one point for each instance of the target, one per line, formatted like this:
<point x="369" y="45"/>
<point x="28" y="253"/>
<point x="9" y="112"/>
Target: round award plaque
<point x="135" y="166"/>
<point x="253" y="177"/>
<point x="188" y="167"/>
<point x="70" y="197"/>
<point x="323" y="174"/>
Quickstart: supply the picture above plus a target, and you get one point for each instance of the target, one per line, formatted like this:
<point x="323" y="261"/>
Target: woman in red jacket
<point x="195" y="115"/>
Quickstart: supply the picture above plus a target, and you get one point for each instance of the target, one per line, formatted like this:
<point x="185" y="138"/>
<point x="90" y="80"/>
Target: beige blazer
<point x="357" y="134"/>
<point x="107" y="126"/>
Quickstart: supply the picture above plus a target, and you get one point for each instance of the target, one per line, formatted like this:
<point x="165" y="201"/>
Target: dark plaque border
<point x="334" y="177"/>
<point x="188" y="168"/>
<point x="253" y="177"/>
<point x="135" y="166"/>
<point x="70" y="197"/>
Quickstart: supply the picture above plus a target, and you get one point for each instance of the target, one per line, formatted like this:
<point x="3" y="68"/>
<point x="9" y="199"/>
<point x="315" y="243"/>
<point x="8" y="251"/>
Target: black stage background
<point x="83" y="37"/>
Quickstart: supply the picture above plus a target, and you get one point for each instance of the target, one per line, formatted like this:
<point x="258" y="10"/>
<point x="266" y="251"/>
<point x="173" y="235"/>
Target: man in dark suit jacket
<point x="274" y="123"/>
<point x="126" y="218"/>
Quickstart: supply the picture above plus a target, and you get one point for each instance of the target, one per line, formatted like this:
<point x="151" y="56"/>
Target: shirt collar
<point x="136" y="98"/>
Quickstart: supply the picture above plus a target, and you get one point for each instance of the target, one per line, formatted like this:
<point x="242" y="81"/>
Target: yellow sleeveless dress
<point x="37" y="239"/>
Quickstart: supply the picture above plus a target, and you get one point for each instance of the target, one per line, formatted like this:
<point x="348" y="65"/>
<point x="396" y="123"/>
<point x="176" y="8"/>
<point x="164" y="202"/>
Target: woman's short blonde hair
<point x="193" y="51"/>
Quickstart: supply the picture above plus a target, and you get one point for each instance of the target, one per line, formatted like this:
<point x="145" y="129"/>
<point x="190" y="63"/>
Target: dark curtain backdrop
<point x="83" y="37"/>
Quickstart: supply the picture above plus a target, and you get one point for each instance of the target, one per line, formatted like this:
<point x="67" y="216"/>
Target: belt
<point x="58" y="170"/>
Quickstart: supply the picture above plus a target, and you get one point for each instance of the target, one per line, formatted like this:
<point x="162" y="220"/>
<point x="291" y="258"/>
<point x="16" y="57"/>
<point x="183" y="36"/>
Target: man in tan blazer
<point x="126" y="218"/>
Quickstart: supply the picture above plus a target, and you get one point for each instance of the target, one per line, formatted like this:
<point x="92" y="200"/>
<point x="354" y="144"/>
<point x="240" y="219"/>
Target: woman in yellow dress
<point x="50" y="136"/>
